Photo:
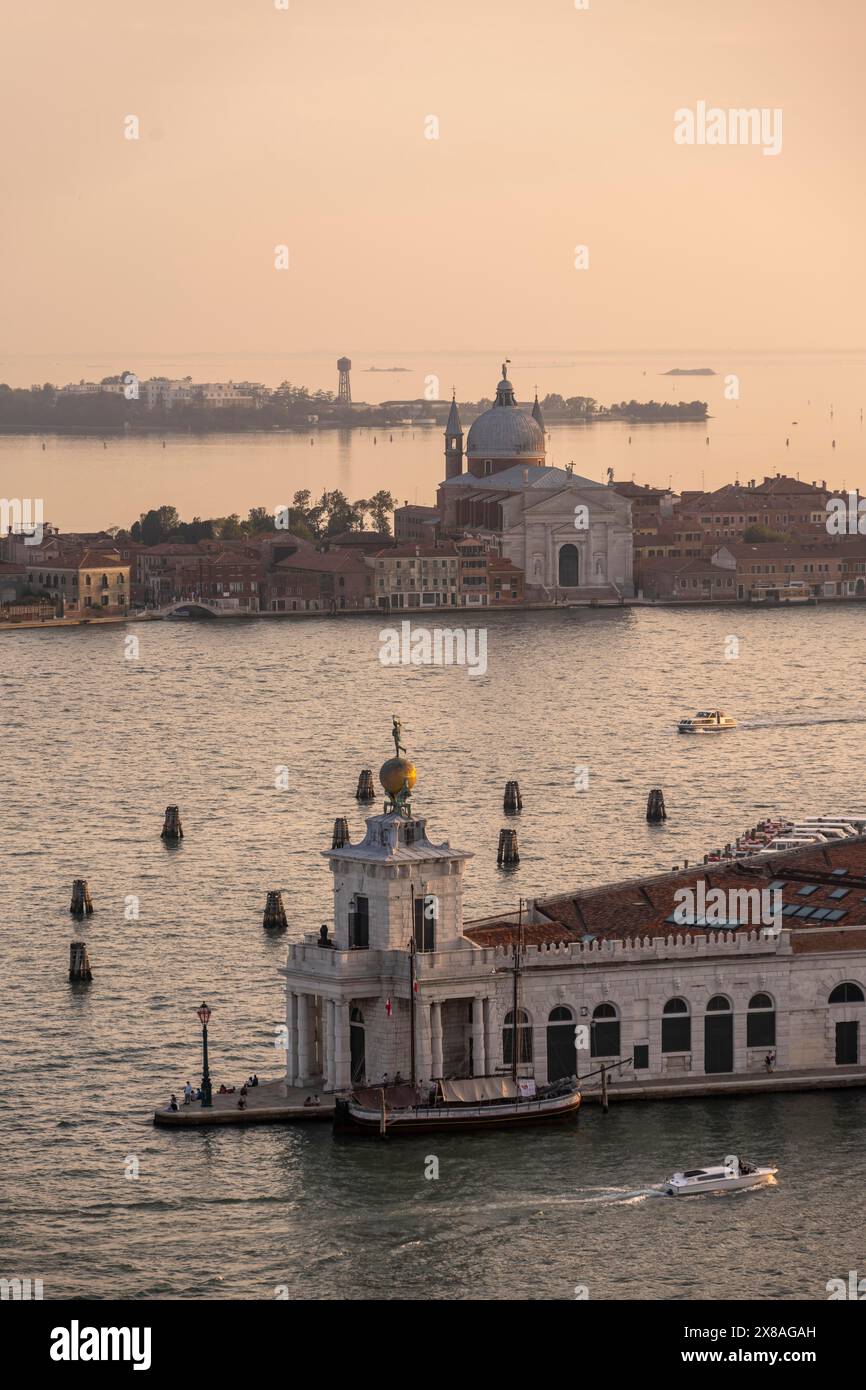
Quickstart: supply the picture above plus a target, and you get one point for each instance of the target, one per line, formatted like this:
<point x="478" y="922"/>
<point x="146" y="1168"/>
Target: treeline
<point x="322" y="520"/>
<point x="656" y="410"/>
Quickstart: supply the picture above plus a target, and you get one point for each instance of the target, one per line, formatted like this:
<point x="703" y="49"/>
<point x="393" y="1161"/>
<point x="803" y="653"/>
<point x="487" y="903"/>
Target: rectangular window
<point x="425" y="926"/>
<point x="677" y="1034"/>
<point x="359" y="924"/>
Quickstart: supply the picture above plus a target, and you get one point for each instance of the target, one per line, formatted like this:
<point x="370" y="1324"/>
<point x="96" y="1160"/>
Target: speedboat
<point x="707" y="721"/>
<point x="731" y="1176"/>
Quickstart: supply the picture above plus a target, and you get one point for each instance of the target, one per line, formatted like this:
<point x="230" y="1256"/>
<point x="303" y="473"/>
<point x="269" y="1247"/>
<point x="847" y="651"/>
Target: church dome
<point x="504" y="431"/>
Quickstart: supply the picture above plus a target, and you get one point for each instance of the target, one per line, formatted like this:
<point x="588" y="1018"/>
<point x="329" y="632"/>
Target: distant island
<point x="385" y="369"/>
<point x="160" y="405"/>
<point x="690" y="371"/>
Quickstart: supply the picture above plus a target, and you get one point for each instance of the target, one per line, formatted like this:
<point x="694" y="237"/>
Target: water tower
<point x="344" y="390"/>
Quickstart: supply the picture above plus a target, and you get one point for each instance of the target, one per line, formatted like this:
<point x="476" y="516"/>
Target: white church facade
<point x="570" y="536"/>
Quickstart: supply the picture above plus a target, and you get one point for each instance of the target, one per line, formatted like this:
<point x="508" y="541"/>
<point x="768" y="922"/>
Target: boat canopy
<point x="473" y="1089"/>
<point x="402" y="1097"/>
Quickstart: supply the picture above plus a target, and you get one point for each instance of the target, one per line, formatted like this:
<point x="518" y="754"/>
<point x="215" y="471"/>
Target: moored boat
<point x="472" y="1103"/>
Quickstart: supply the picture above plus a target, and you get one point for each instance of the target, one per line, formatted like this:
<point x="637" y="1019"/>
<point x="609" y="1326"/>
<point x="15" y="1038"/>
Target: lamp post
<point x="206" y="1089"/>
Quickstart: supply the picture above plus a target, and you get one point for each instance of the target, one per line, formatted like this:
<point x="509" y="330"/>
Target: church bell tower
<point x="453" y="442"/>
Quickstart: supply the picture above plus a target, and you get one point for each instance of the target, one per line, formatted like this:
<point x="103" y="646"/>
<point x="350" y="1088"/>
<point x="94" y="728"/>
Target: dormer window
<point x="409" y="832"/>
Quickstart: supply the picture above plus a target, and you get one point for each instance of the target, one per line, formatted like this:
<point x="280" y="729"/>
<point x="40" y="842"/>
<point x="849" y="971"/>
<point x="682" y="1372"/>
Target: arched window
<point x="761" y="1022"/>
<point x="719" y="1005"/>
<point x="846" y="993"/>
<point x="676" y="1026"/>
<point x="604" y="1031"/>
<point x="524" y="1030"/>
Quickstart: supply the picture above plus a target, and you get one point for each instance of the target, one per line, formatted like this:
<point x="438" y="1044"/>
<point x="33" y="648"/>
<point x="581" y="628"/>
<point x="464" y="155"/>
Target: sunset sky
<point x="261" y="126"/>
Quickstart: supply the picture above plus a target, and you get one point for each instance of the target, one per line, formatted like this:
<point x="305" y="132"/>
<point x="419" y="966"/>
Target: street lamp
<point x="206" y="1089"/>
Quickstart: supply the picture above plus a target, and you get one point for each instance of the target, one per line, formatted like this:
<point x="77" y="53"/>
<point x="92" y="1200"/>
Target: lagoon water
<point x="757" y="402"/>
<point x="95" y="745"/>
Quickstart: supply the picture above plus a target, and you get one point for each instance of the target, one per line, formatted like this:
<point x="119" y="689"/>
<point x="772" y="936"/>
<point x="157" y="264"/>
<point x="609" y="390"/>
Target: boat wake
<point x="803" y="723"/>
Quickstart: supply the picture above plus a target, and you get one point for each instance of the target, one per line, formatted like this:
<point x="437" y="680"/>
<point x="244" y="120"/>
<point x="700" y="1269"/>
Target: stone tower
<point x="453" y="442"/>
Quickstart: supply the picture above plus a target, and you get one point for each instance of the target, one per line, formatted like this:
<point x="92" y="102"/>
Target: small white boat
<point x="707" y="721"/>
<point x="733" y="1175"/>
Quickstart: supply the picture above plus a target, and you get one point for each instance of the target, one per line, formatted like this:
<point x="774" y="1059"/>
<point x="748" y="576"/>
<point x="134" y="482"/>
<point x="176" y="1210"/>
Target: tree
<point x="758" y="535"/>
<point x="156" y="526"/>
<point x="379" y="506"/>
<point x="258" y="520"/>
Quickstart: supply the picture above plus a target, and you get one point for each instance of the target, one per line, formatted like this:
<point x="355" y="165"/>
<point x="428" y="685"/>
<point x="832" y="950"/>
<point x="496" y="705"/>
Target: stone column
<point x="328" y="1044"/>
<point x="490" y="1052"/>
<point x="303" y="1040"/>
<point x="424" y="1041"/>
<point x="435" y="1040"/>
<point x="479" y="1053"/>
<point x="291" y="1037"/>
<point x="342" y="1077"/>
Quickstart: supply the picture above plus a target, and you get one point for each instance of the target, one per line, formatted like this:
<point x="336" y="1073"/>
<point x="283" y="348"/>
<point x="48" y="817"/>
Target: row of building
<point x="75" y="574"/>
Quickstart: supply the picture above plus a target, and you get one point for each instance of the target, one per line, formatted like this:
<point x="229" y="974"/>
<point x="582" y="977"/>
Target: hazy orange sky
<point x="261" y="126"/>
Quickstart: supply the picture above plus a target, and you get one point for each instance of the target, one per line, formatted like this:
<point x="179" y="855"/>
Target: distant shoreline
<point x="323" y="426"/>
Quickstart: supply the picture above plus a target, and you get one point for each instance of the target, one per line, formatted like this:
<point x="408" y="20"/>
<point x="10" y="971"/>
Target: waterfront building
<point x="329" y="580"/>
<point x="83" y="580"/>
<point x="570" y="536"/>
<point x="673" y="998"/>
<point x="417" y="576"/>
<point x="486" y="578"/>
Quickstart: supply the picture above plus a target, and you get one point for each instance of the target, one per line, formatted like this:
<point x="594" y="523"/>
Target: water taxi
<point x="733" y="1175"/>
<point x="707" y="721"/>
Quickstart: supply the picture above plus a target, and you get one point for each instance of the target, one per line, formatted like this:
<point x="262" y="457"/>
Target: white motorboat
<point x="707" y="721"/>
<point x="733" y="1175"/>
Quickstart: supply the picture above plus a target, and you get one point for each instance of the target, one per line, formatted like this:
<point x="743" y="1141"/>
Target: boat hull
<point x="721" y="1184"/>
<point x="453" y="1119"/>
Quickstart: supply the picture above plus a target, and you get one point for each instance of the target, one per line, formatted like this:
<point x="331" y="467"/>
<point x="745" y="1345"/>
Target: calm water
<point x="808" y="399"/>
<point x="95" y="746"/>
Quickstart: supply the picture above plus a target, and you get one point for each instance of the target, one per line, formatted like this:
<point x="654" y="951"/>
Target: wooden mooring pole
<point x="275" y="913"/>
<point x="512" y="802"/>
<point x="655" y="806"/>
<point x="81" y="904"/>
<point x="507" y="854"/>
<point x="341" y="833"/>
<point x="366" y="791"/>
<point x="79" y="961"/>
<point x="171" y="826"/>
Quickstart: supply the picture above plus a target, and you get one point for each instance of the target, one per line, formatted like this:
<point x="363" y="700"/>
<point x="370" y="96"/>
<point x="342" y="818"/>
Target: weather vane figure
<point x="396" y="734"/>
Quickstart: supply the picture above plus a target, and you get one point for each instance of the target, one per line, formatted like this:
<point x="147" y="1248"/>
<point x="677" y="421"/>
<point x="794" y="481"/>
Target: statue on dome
<point x="396" y="734"/>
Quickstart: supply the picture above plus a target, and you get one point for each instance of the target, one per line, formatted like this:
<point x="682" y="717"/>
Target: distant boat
<point x="713" y="721"/>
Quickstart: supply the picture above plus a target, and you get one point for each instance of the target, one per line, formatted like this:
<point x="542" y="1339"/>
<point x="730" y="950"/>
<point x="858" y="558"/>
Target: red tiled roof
<point x="640" y="907"/>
